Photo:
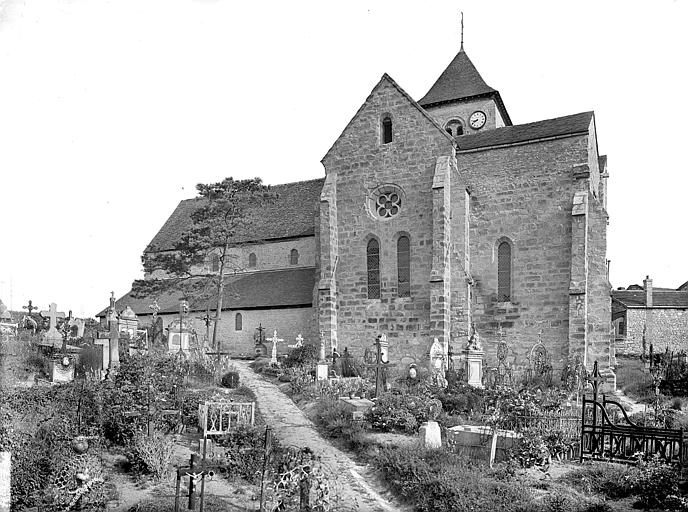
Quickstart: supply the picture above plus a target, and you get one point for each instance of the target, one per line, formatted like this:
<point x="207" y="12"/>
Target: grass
<point x="631" y="379"/>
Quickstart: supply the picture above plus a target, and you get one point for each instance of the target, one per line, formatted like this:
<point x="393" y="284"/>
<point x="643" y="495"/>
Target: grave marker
<point x="274" y="340"/>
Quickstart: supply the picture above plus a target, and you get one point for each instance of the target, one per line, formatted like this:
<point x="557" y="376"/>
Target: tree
<point x="225" y="211"/>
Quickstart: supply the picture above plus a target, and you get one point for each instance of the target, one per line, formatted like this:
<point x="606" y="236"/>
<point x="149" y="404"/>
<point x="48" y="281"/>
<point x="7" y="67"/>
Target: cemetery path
<point x="355" y="482"/>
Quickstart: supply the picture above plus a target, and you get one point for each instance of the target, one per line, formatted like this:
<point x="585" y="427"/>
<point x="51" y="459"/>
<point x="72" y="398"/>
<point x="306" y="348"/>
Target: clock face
<point x="477" y="120"/>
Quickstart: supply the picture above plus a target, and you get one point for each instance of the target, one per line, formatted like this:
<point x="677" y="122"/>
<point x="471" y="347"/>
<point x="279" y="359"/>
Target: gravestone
<point x="273" y="354"/>
<point x="322" y="370"/>
<point x="62" y="368"/>
<point x="260" y="349"/>
<point x="5" y="472"/>
<point x="474" y="360"/>
<point x="438" y="362"/>
<point x="52" y="338"/>
<point x="430" y="435"/>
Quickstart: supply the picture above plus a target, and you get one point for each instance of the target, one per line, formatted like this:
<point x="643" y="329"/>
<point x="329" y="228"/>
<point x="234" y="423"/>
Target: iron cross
<point x="30" y="307"/>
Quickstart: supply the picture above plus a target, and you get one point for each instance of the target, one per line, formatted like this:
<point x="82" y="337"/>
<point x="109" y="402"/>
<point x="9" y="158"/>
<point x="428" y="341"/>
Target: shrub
<point x="396" y="412"/>
<point x="336" y="421"/>
<point x="244" y="447"/>
<point x="460" y="398"/>
<point x="151" y="454"/>
<point x="230" y="380"/>
<point x="301" y="382"/>
<point x="677" y="404"/>
<point x="440" y="481"/>
<point x="610" y="480"/>
<point x="656" y="485"/>
<point x="304" y="355"/>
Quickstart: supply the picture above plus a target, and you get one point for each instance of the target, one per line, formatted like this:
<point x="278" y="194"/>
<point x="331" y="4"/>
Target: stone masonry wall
<point x="463" y="110"/>
<point x="361" y="164"/>
<point x="289" y="322"/>
<point x="669" y="328"/>
<point x="523" y="193"/>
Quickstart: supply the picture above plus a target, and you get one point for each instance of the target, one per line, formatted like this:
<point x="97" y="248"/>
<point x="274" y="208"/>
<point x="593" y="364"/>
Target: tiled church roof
<point x="567" y="125"/>
<point x="660" y="298"/>
<point x="459" y="82"/>
<point x="291" y="215"/>
<point x="256" y="290"/>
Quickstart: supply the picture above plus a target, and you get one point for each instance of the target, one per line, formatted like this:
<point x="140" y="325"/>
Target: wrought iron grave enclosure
<point x="602" y="438"/>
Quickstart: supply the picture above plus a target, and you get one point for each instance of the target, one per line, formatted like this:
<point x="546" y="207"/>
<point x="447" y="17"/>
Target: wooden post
<point x="304" y="491"/>
<point x="192" y="493"/>
<point x="268" y="445"/>
<point x="203" y="465"/>
<point x="177" y="489"/>
<point x="493" y="446"/>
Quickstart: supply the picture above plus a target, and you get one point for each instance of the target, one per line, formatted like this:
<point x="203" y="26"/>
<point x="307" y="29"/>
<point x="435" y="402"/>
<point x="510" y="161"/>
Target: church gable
<point x="387" y="118"/>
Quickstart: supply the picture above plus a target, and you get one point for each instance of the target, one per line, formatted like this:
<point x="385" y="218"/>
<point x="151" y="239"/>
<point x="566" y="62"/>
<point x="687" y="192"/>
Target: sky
<point x="111" y="111"/>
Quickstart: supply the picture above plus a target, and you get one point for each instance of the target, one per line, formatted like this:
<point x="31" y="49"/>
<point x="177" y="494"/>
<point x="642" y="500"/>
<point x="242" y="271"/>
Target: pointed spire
<point x="460" y="80"/>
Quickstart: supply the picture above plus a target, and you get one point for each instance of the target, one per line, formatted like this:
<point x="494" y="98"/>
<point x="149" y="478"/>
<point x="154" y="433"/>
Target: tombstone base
<point x="474" y="368"/>
<point x="322" y="371"/>
<point x="430" y="435"/>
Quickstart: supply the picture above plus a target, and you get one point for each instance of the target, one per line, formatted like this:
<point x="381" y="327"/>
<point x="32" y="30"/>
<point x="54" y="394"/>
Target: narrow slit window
<point x="373" y="263"/>
<point x="504" y="272"/>
<point x="238" y="322"/>
<point x="252" y="260"/>
<point x="294" y="257"/>
<point x="404" y="267"/>
<point x="386" y="130"/>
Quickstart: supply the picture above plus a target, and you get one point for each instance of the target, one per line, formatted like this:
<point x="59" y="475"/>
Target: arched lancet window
<point x="504" y="272"/>
<point x="373" y="263"/>
<point x="252" y="260"/>
<point x="214" y="263"/>
<point x="404" y="266"/>
<point x="386" y="129"/>
<point x="294" y="257"/>
<point x="238" y="322"/>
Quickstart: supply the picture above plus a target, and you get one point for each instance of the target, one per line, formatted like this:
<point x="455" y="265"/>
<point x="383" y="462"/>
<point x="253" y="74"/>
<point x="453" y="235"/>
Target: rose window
<point x="385" y="202"/>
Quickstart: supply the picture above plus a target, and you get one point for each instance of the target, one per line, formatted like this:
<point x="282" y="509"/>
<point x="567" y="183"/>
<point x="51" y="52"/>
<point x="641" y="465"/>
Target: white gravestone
<point x="430" y="435"/>
<point x="5" y="467"/>
<point x="274" y="339"/>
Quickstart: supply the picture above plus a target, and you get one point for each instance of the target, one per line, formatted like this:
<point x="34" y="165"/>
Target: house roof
<point x="461" y="81"/>
<point x="660" y="298"/>
<point x="256" y="290"/>
<point x="683" y="287"/>
<point x="557" y="127"/>
<point x="290" y="215"/>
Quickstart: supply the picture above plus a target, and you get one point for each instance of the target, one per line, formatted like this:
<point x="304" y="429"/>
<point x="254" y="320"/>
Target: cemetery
<point x="114" y="415"/>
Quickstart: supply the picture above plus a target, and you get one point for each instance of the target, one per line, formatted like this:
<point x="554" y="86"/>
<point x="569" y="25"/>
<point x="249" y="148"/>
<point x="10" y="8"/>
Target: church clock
<point x="477" y="120"/>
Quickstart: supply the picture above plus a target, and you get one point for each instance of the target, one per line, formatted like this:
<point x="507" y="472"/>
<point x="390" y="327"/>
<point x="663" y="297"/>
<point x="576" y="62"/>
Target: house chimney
<point x="647" y="285"/>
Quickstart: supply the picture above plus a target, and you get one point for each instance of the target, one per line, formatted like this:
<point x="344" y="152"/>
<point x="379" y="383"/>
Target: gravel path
<point x="354" y="482"/>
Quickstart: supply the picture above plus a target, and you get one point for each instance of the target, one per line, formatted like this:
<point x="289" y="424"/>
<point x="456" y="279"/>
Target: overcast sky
<point x="112" y="111"/>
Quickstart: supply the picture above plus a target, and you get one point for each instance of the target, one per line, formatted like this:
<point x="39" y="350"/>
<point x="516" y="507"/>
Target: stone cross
<point x="30" y="307"/>
<point x="155" y="308"/>
<point x="53" y="314"/>
<point x="274" y="340"/>
<point x="299" y="342"/>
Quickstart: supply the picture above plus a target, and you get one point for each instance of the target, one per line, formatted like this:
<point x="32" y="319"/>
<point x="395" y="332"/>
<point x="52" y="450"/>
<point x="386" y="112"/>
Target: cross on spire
<point x="462" y="30"/>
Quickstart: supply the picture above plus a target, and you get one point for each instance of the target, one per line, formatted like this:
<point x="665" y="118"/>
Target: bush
<point x="336" y="421"/>
<point x="394" y="412"/>
<point x="460" y="398"/>
<point x="656" y="485"/>
<point x="151" y="454"/>
<point x="244" y="447"/>
<point x="440" y="481"/>
<point x="610" y="480"/>
<point x="230" y="380"/>
<point x="304" y="355"/>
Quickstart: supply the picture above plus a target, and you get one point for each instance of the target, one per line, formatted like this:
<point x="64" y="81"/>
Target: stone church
<point x="435" y="217"/>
